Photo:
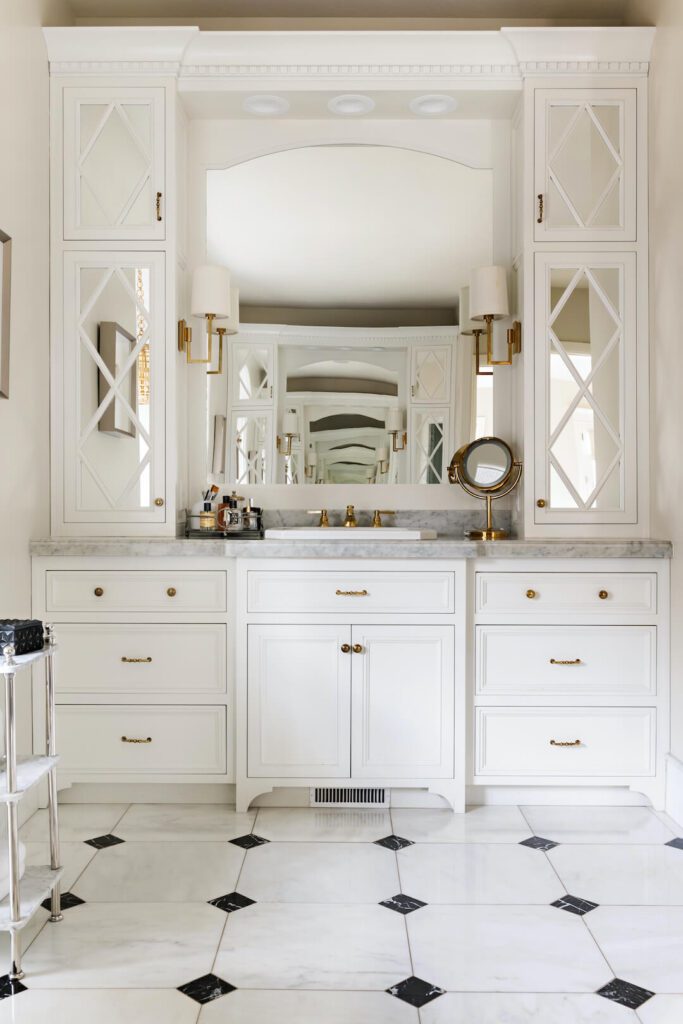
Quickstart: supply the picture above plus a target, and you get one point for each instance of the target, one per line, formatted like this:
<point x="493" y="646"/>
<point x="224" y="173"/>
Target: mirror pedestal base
<point x="487" y="534"/>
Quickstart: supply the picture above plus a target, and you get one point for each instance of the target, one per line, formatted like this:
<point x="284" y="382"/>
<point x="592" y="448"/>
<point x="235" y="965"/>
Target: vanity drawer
<point x="517" y="742"/>
<point x="351" y="592"/>
<point x="145" y="591"/>
<point x="139" y="657"/>
<point x="566" y="660"/>
<point x="583" y="593"/>
<point x="175" y="740"/>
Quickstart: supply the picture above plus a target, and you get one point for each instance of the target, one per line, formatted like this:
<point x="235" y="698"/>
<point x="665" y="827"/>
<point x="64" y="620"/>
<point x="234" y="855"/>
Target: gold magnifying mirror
<point x="486" y="468"/>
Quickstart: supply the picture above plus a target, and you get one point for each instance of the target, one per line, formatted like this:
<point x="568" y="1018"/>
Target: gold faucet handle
<point x="322" y="512"/>
<point x="378" y="513"/>
<point x="350" y="516"/>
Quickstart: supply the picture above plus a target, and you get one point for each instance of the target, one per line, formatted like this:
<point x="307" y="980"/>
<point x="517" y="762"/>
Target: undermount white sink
<point x="348" y="533"/>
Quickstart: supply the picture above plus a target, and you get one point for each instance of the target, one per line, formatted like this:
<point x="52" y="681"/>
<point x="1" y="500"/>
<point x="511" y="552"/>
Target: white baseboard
<point x="674" y="788"/>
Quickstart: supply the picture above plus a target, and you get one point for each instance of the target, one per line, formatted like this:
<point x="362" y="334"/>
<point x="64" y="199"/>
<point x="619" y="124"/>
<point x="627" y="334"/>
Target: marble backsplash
<point x="446" y="523"/>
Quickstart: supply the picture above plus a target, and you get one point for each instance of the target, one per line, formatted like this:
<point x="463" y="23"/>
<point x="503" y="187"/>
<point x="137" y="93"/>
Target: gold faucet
<point x="322" y="512"/>
<point x="378" y="513"/>
<point x="350" y="516"/>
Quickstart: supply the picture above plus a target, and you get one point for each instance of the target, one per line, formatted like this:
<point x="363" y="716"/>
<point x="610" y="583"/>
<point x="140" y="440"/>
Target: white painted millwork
<point x="345" y="591"/>
<point x="535" y="593"/>
<point x="138" y="591"/>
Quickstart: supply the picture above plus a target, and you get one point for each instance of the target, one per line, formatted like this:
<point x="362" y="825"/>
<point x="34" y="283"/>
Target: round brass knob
<point x="171" y="591"/>
<point x="98" y="591"/>
<point x="603" y="595"/>
<point x="345" y="648"/>
<point x="357" y="649"/>
<point x="158" y="502"/>
<point x="531" y="594"/>
<point x="541" y="503"/>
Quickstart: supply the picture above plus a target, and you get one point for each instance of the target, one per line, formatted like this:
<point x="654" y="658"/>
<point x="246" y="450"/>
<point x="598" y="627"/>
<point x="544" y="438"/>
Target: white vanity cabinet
<point x="353" y="672"/>
<point x="114" y="163"/>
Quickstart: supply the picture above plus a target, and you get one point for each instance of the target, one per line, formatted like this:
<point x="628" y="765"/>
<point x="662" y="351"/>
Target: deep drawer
<point x="144" y="591"/>
<point x="351" y="592"/>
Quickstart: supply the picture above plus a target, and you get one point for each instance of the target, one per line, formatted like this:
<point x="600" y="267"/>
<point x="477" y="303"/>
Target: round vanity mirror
<point x="486" y="468"/>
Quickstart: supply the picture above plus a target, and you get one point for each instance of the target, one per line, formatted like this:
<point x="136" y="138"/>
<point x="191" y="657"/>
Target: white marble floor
<point x="505" y="915"/>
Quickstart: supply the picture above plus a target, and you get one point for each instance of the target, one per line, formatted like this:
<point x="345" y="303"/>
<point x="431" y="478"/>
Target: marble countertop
<point x="442" y="547"/>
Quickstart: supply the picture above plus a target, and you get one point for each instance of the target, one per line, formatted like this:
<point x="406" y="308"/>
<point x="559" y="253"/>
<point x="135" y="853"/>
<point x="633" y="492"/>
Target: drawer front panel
<point x="174" y="740"/>
<point x="141" y="657"/>
<point x="566" y="660"/>
<point x="613" y="742"/>
<point x="351" y="593"/>
<point x="575" y="592"/>
<point x="119" y="591"/>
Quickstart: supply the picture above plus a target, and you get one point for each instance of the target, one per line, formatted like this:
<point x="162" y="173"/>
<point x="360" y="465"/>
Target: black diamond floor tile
<point x="206" y="988"/>
<point x="574" y="905"/>
<point x="8" y="987"/>
<point x="415" y="991"/>
<point x="394" y="843"/>
<point x="402" y="904"/>
<point x="231" y="902"/>
<point x="249" y="842"/>
<point x="538" y="843"/>
<point x="68" y="900"/>
<point x="102" y="842"/>
<point x="676" y="843"/>
<point x="624" y="993"/>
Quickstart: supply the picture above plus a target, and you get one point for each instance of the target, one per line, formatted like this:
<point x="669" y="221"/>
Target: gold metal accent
<point x="159" y="502"/>
<point x="136" y="661"/>
<point x="285" y="448"/>
<point x="98" y="591"/>
<point x="565" y="743"/>
<point x="350" y="520"/>
<point x="351" y="593"/>
<point x="185" y="342"/>
<point x="531" y="594"/>
<point x="357" y="649"/>
<point x="322" y="512"/>
<point x="171" y="591"/>
<point x="541" y="503"/>
<point x="514" y="344"/>
<point x="158" y="205"/>
<point x="395" y="447"/>
<point x="603" y="595"/>
<point x="140" y="328"/>
<point x="378" y="513"/>
<point x="346" y="648"/>
<point x="541" y="203"/>
<point x="133" y="739"/>
<point x="457" y="474"/>
<point x="221" y="332"/>
<point x="556" y="661"/>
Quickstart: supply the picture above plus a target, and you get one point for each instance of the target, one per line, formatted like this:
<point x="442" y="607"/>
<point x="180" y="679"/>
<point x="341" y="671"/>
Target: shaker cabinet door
<point x="585" y="165"/>
<point x="114" y="164"/>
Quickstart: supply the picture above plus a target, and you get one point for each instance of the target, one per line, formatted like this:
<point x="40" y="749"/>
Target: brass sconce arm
<point x="514" y="345"/>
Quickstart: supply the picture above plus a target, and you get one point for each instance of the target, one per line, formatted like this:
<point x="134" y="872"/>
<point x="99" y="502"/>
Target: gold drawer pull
<point x="357" y="649"/>
<point x="171" y="591"/>
<point x="565" y="743"/>
<point x="133" y="739"/>
<point x="346" y="648"/>
<point x="558" y="661"/>
<point x="351" y="593"/>
<point x="531" y="594"/>
<point x="136" y="661"/>
<point x="603" y="595"/>
<point x="98" y="591"/>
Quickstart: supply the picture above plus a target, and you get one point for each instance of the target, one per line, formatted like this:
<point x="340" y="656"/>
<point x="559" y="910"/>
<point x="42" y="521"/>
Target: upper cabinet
<point x="114" y="164"/>
<point x="585" y="167"/>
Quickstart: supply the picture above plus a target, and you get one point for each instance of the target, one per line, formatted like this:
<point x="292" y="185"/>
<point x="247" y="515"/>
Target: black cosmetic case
<point x="25" y="634"/>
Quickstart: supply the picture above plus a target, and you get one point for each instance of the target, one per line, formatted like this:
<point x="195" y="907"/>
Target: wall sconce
<point x="382" y="458"/>
<point x="210" y="291"/>
<point x="488" y="302"/>
<point x="290" y="429"/>
<point x="311" y="466"/>
<point x="394" y="425"/>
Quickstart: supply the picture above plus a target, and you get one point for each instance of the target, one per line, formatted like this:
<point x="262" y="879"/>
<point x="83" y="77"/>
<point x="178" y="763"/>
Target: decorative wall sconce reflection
<point x="290" y="430"/>
<point x="382" y="457"/>
<point x="311" y="466"/>
<point x="394" y="426"/>
<point x="488" y="301"/>
<point x="211" y="290"/>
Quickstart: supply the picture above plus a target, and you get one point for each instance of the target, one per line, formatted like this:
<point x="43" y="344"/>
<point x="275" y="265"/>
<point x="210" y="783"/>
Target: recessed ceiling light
<point x="266" y="106"/>
<point x="350" y="104"/>
<point x="433" y="104"/>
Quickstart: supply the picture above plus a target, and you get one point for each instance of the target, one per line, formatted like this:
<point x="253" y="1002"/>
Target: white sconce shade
<point x="466" y="324"/>
<point x="313" y="459"/>
<point x="290" y="423"/>
<point x="381" y="454"/>
<point x="211" y="292"/>
<point x="233" y="324"/>
<point x="394" y="421"/>
<point x="488" y="293"/>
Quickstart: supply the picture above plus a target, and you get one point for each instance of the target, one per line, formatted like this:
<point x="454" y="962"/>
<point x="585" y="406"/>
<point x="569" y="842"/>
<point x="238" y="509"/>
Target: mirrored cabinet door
<point x="114" y="403"/>
<point x="252" y="373"/>
<point x="251" y="446"/>
<point x="585" y="388"/>
<point x="431" y="374"/>
<point x="114" y="164"/>
<point x="431" y="446"/>
<point x="585" y="176"/>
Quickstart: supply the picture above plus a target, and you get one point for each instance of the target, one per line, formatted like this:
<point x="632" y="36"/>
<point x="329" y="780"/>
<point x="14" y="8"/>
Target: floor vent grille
<point x="337" y="796"/>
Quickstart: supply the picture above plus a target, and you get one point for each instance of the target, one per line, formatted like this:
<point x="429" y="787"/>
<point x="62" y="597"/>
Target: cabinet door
<point x="402" y="685"/>
<point x="431" y="374"/>
<point x="430" y="444"/>
<point x="252" y="372"/>
<point x="251" y="445"/>
<point x="114" y="163"/>
<point x="585" y="165"/>
<point x="113" y="388"/>
<point x="585" y="388"/>
<point x="298" y="703"/>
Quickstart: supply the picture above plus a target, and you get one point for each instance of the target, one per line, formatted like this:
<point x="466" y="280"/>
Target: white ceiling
<point x="349" y="226"/>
